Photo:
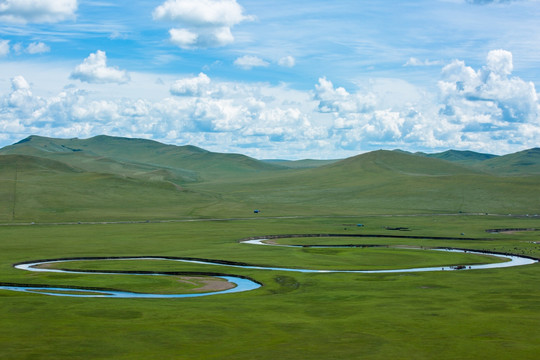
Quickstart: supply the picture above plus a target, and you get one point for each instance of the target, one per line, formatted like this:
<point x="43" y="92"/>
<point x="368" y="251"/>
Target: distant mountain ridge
<point x="191" y="159"/>
<point x="522" y="162"/>
<point x="111" y="178"/>
<point x="464" y="157"/>
<point x="136" y="155"/>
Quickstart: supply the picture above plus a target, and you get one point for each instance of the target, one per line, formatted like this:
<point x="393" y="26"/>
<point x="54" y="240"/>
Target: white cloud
<point x="485" y="109"/>
<point x="19" y="83"/>
<point x="340" y="101"/>
<point x="287" y="61"/>
<point x="201" y="38"/>
<point x="487" y="2"/>
<point x="183" y="38"/>
<point x="202" y="23"/>
<point x="94" y="69"/>
<point x="4" y="48"/>
<point x="248" y="62"/>
<point x="488" y="99"/>
<point x="417" y="62"/>
<point x="115" y="34"/>
<point x="238" y="114"/>
<point x="17" y="48"/>
<point x="37" y="11"/>
<point x="33" y="48"/>
<point x="193" y="86"/>
<point x="20" y="103"/>
<point x="500" y="62"/>
<point x="37" y="48"/>
<point x="201" y="12"/>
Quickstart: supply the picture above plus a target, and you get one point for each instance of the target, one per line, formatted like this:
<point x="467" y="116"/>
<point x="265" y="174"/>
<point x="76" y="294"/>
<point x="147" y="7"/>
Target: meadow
<point x="446" y="315"/>
<point x="116" y="197"/>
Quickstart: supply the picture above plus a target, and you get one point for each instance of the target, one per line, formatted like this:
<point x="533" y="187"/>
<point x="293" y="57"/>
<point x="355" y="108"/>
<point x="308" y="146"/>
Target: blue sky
<point x="275" y="79"/>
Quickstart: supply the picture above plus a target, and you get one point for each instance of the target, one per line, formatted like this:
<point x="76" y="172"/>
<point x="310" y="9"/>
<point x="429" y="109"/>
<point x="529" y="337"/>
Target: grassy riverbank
<point x="445" y="315"/>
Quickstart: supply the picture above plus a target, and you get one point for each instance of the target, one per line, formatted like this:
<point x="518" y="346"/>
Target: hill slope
<point x="462" y="157"/>
<point x="128" y="155"/>
<point x="523" y="162"/>
<point x="40" y="189"/>
<point x="105" y="178"/>
<point x="385" y="182"/>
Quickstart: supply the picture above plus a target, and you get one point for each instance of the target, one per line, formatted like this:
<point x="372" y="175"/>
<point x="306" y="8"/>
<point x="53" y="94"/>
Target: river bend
<point x="240" y="284"/>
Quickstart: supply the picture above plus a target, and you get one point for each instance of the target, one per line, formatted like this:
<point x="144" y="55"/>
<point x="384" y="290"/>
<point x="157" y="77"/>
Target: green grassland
<point x="116" y="197"/>
<point x="445" y="315"/>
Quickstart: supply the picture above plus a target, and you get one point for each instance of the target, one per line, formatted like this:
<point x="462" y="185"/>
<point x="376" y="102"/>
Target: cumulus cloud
<point x="499" y="62"/>
<point x="19" y="83"/>
<point x="183" y="37"/>
<point x="37" y="48"/>
<point x="202" y="23"/>
<point x="248" y="62"/>
<point x="338" y="100"/>
<point x="193" y="86"/>
<point x="94" y="69"/>
<point x="32" y="48"/>
<point x="486" y="109"/>
<point x="4" y="48"/>
<point x="206" y="113"/>
<point x="489" y="98"/>
<point x="20" y="103"/>
<point x="37" y="11"/>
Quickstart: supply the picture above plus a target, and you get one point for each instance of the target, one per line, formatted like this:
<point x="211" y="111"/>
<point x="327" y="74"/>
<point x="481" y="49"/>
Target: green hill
<point x="383" y="182"/>
<point x="523" y="162"/>
<point x="39" y="189"/>
<point x="33" y="163"/>
<point x="107" y="178"/>
<point x="127" y="155"/>
<point x="462" y="157"/>
<point x="300" y="164"/>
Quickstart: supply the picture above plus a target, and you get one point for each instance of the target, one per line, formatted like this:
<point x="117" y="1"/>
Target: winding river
<point x="240" y="283"/>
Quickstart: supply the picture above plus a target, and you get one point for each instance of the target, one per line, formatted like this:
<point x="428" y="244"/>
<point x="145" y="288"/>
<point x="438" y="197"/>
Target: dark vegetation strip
<point x="285" y="236"/>
<point x="270" y="237"/>
<point x="221" y="262"/>
<point x="490" y="252"/>
<point x="511" y="229"/>
<point x="161" y="221"/>
<point x="136" y="272"/>
<point x="74" y="287"/>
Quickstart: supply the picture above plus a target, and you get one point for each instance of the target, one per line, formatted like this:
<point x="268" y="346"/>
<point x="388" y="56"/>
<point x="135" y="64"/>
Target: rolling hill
<point x="462" y="157"/>
<point x="523" y="162"/>
<point x="108" y="178"/>
<point x="388" y="182"/>
<point x="40" y="189"/>
<point x="132" y="156"/>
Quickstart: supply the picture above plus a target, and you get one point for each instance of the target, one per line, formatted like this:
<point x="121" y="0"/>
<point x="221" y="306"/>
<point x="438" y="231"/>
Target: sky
<point x="287" y="79"/>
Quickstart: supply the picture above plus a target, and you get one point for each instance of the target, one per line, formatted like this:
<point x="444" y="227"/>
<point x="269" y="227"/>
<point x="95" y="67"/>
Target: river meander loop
<point x="241" y="284"/>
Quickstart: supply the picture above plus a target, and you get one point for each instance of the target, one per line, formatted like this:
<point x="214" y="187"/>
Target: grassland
<point x="160" y="200"/>
<point x="445" y="315"/>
